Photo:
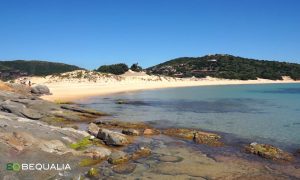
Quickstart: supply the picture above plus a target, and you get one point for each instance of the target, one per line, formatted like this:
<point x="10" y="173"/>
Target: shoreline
<point x="71" y="91"/>
<point x="219" y="157"/>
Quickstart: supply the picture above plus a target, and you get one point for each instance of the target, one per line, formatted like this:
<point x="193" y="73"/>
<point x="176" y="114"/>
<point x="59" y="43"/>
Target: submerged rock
<point x="199" y="137"/>
<point x="268" y="151"/>
<point x="90" y="162"/>
<point x="131" y="102"/>
<point x="81" y="110"/>
<point x="114" y="124"/>
<point x="124" y="168"/>
<point x="142" y="152"/>
<point x="151" y="132"/>
<point x="112" y="138"/>
<point x="131" y="132"/>
<point x="168" y="158"/>
<point x="93" y="173"/>
<point x="181" y="133"/>
<point x="210" y="139"/>
<point x="118" y="157"/>
<point x="120" y="101"/>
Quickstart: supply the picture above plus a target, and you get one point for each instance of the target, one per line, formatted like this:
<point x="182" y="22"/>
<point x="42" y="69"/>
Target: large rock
<point x="25" y="139"/>
<point x="32" y="114"/>
<point x="40" y="90"/>
<point x="82" y="110"/>
<point x="20" y="110"/>
<point x="93" y="129"/>
<point x="97" y="152"/>
<point x="19" y="88"/>
<point x="268" y="151"/>
<point x="54" y="146"/>
<point x="12" y="107"/>
<point x="30" y="106"/>
<point x="16" y="140"/>
<point x="131" y="132"/>
<point x="112" y="138"/>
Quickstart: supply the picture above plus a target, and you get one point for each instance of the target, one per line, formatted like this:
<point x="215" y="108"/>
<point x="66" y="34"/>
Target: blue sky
<point x="89" y="33"/>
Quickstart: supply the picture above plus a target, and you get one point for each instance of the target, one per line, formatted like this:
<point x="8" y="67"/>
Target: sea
<point x="263" y="113"/>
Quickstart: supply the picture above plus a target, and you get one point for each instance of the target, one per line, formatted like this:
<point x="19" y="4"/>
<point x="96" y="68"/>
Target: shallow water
<point x="262" y="113"/>
<point x="178" y="159"/>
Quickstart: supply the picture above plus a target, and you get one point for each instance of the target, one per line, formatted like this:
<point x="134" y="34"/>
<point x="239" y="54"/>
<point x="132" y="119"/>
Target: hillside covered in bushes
<point x="227" y="67"/>
<point x="13" y="69"/>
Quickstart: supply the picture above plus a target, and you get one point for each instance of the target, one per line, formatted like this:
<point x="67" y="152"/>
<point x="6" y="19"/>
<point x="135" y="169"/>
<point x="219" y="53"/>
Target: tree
<point x="116" y="69"/>
<point x="135" y="67"/>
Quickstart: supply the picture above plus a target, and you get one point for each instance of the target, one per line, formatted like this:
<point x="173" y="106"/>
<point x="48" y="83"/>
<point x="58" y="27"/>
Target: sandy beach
<point x="81" y="84"/>
<point x="155" y="150"/>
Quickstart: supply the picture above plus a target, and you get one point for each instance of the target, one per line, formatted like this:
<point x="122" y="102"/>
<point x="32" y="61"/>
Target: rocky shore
<point x="33" y="130"/>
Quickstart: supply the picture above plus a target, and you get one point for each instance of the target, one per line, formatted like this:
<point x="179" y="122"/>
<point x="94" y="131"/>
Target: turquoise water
<point x="261" y="113"/>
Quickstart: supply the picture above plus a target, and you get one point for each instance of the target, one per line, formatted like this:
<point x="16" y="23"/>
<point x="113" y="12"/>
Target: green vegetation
<point x="135" y="67"/>
<point x="93" y="172"/>
<point x="82" y="144"/>
<point x="14" y="69"/>
<point x="226" y="66"/>
<point x="218" y="65"/>
<point x="85" y="143"/>
<point x="89" y="162"/>
<point x="116" y="69"/>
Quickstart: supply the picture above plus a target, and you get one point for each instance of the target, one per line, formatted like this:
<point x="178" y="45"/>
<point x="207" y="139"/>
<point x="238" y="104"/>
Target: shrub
<point x="116" y="69"/>
<point x="135" y="67"/>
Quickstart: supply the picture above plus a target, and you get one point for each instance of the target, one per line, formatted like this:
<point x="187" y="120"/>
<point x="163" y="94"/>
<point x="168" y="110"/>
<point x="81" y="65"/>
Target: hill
<point x="13" y="69"/>
<point x="227" y="67"/>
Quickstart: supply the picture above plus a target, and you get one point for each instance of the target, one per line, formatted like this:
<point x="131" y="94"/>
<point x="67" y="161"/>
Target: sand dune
<point x="80" y="84"/>
<point x="5" y="87"/>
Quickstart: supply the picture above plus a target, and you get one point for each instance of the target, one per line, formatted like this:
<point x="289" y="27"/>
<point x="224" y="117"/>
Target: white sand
<point x="81" y="84"/>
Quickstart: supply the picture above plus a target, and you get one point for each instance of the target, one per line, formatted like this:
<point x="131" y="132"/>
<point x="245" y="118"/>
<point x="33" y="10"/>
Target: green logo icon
<point x="13" y="167"/>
